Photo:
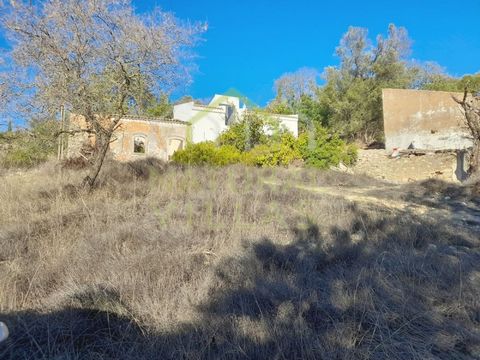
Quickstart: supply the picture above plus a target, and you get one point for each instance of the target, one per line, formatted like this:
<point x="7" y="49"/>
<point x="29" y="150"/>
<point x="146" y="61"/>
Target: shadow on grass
<point x="463" y="201"/>
<point x="396" y="288"/>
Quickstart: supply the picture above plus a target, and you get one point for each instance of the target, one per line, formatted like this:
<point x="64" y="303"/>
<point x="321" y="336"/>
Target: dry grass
<point x="212" y="263"/>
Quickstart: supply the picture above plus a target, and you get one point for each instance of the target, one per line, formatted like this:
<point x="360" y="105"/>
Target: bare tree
<point x="3" y="86"/>
<point x="95" y="57"/>
<point x="3" y="95"/>
<point x="470" y="103"/>
<point x="355" y="52"/>
<point x="291" y="86"/>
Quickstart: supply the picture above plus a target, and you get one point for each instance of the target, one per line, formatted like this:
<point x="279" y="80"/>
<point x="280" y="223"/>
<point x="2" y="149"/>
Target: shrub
<point x="207" y="153"/>
<point x="281" y="153"/>
<point x="227" y="155"/>
<point x="29" y="148"/>
<point x="114" y="172"/>
<point x="321" y="149"/>
<point x="23" y="157"/>
<point x="255" y="128"/>
<point x="75" y="163"/>
<point x="318" y="149"/>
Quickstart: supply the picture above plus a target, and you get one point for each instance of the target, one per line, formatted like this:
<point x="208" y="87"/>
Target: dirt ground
<point x="379" y="165"/>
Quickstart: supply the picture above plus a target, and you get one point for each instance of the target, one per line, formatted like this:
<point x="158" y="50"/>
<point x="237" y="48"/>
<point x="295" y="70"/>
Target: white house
<point x="208" y="121"/>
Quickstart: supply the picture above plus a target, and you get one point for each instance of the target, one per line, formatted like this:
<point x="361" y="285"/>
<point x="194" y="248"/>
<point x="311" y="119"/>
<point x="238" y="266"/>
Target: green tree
<point x="279" y="107"/>
<point x="322" y="149"/>
<point x="443" y="82"/>
<point x="290" y="88"/>
<point x="161" y="108"/>
<point x="248" y="132"/>
<point x="351" y="99"/>
<point x="431" y="76"/>
<point x="26" y="148"/>
<point x="311" y="112"/>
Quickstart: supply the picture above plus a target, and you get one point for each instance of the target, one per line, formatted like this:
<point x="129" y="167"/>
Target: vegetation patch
<point x="210" y="262"/>
<point x="258" y="140"/>
<point x="27" y="148"/>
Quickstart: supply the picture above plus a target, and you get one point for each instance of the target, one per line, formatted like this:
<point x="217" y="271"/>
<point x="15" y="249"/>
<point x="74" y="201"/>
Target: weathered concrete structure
<point x="378" y="164"/>
<point x="426" y="120"/>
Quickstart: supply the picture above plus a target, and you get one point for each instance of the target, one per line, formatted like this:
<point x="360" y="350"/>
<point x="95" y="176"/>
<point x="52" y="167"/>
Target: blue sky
<point x="251" y="43"/>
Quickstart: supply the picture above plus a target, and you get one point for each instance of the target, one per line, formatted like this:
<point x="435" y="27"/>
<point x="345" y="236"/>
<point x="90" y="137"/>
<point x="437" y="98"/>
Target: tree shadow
<point x="461" y="200"/>
<point x="339" y="296"/>
<point x="396" y="288"/>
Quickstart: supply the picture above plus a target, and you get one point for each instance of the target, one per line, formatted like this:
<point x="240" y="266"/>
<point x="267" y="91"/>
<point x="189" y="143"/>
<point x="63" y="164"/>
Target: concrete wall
<point x="290" y="122"/>
<point x="208" y="122"/>
<point x="427" y="120"/>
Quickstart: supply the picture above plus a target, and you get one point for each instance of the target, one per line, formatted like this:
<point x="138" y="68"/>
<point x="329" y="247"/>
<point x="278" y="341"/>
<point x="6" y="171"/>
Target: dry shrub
<point x="476" y="189"/>
<point x="126" y="172"/>
<point x="314" y="177"/>
<point x="161" y="262"/>
<point x="438" y="188"/>
<point x="75" y="163"/>
<point x="437" y="194"/>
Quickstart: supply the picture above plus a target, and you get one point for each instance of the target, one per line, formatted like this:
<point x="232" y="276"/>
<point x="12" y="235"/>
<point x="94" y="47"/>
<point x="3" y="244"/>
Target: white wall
<point x="208" y="122"/>
<point x="183" y="111"/>
<point x="290" y="122"/>
<point x="224" y="99"/>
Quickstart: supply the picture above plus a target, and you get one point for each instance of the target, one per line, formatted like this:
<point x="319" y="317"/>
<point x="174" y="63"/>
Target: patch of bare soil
<point x="407" y="168"/>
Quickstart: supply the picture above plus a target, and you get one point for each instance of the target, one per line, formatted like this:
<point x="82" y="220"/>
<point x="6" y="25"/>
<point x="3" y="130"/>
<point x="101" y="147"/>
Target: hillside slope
<point x="235" y="263"/>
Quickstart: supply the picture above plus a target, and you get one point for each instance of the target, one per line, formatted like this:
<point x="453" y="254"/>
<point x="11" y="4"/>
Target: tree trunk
<point x="471" y="109"/>
<point x="102" y="143"/>
<point x="474" y="168"/>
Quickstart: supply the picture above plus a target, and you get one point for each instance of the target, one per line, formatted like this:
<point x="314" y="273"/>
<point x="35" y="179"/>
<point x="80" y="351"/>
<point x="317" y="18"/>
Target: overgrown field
<point x="171" y="263"/>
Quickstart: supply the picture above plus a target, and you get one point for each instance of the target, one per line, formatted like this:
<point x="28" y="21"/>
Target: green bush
<point x="29" y="148"/>
<point x="281" y="153"/>
<point x="318" y="148"/>
<point x="207" y="153"/>
<point x="321" y="149"/>
<point x="227" y="155"/>
<point x="250" y="131"/>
